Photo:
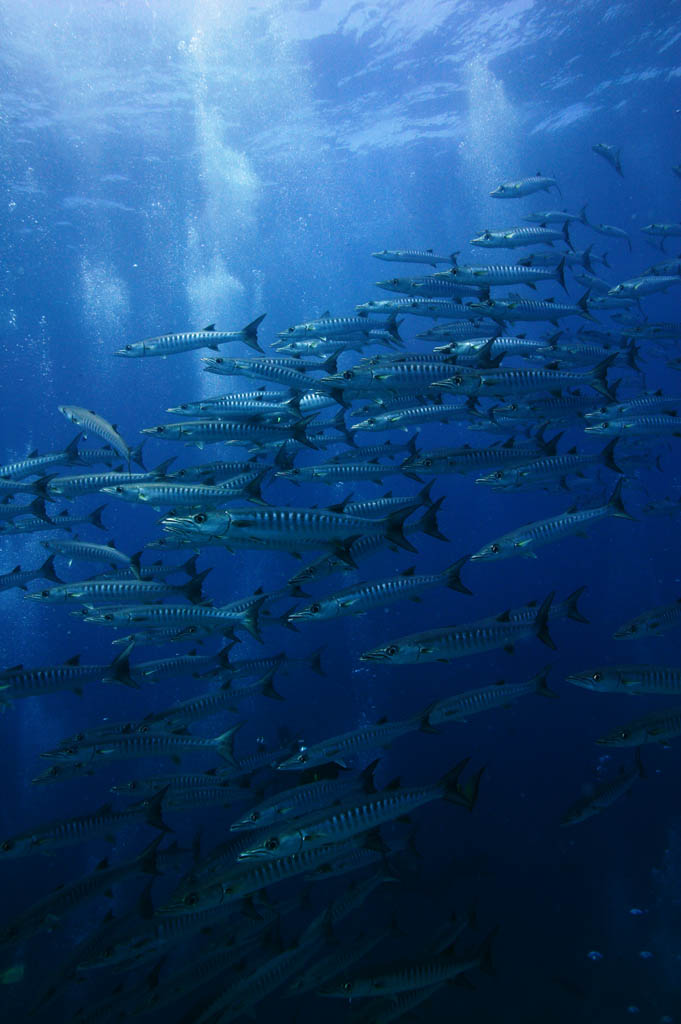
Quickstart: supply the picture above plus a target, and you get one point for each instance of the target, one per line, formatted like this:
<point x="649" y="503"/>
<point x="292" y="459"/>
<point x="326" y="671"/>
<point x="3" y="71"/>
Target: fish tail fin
<point x="315" y="661"/>
<point x="411" y="446"/>
<point x="465" y="794"/>
<point x="583" y="304"/>
<point x="586" y="259"/>
<point x="136" y="454"/>
<point x="582" y="214"/>
<point x="95" y="518"/>
<point x="135" y="564"/>
<point x="152" y="810"/>
<point x="452" y="576"/>
<point x="541" y="622"/>
<point x="250" y="333"/>
<point x="37" y="508"/>
<point x="392" y="325"/>
<point x="633" y="351"/>
<point x="46" y="570"/>
<point x="599" y="376"/>
<point x="560" y="274"/>
<point x="119" y="669"/>
<point x="615" y="503"/>
<point x="540" y="683"/>
<point x="607" y="456"/>
<point x="225" y="743"/>
<point x="193" y="588"/>
<point x="338" y="423"/>
<point x="253" y="489"/>
<point x="267" y="686"/>
<point x="249" y="618"/>
<point x="147" y="861"/>
<point x="566" y="236"/>
<point x="573" y="611"/>
<point x="298" y="432"/>
<point x="394" y="524"/>
<point x="428" y="522"/>
<point x="71" y="451"/>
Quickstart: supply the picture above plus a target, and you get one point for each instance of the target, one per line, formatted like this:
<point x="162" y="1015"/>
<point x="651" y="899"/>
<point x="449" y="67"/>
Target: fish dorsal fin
<point x="384" y="719"/>
<point x="105" y="809"/>
<point x="209" y="327"/>
<point x="393" y="784"/>
<point x="409" y="571"/>
<point x="75" y="660"/>
<point x="505" y="616"/>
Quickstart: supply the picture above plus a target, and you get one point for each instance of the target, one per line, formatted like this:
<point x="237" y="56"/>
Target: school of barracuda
<point x="323" y="395"/>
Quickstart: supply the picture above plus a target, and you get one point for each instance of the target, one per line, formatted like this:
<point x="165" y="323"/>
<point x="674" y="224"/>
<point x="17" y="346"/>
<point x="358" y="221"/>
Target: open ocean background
<point x="169" y="165"/>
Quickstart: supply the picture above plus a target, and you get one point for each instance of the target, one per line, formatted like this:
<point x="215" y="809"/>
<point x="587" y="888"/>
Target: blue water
<point x="166" y="166"/>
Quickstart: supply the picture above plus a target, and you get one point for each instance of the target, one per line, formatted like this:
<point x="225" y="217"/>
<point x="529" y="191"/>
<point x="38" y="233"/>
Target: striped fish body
<point x="294" y="380"/>
<point x="411" y="976"/>
<point x="433" y="308"/>
<point x="522" y="310"/>
<point x="185" y="341"/>
<point x="338" y="749"/>
<point x="331" y="327"/>
<point x="516" y="238"/>
<point x="461" y="706"/>
<point x="652" y="623"/>
<point x="657" y="727"/>
<point x="404" y="419"/>
<point x="91" y="483"/>
<point x="291" y="804"/>
<point x="90" y="423"/>
<point x="604" y="795"/>
<point x="639" y="426"/>
<point x="467" y="459"/>
<point x="437" y="287"/>
<point x="631" y="679"/>
<point x="493" y="274"/>
<point x="411" y="256"/>
<point x="90" y="552"/>
<point x="151" y="744"/>
<point x="524" y="187"/>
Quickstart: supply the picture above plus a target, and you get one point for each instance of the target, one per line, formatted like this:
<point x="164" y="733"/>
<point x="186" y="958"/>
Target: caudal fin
<point x="541" y="622"/>
<point x="615" y="503"/>
<point x="452" y="576"/>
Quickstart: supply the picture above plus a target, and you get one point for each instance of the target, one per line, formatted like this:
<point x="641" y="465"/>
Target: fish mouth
<point x="374" y="656"/>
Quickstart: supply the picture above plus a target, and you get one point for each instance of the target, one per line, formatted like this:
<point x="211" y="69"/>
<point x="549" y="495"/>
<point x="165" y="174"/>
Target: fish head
<point x="495" y="551"/>
<point x="501" y="192"/>
<point x="316" y="610"/>
<point x="500" y="478"/>
<point x="630" y="630"/>
<point x="281" y="844"/>
<point x="624" y="736"/>
<point x="134" y="349"/>
<point x="602" y="680"/>
<point x="388" y="652"/>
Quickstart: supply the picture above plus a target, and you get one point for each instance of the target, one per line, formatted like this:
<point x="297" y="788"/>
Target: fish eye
<point x="219" y="360"/>
<point x="128" y="348"/>
<point x="108" y="953"/>
<point x="315" y="608"/>
<point x="372" y="419"/>
<point x="132" y="786"/>
<point x="428" y="463"/>
<point x="69" y="750"/>
<point x="143" y="728"/>
<point x="254" y="816"/>
<point x="271" y="844"/>
<point x="160" y="429"/>
<point x="184" y="406"/>
<point x="302" y="757"/>
<point x="119" y="489"/>
<point x="494" y="548"/>
<point x="108" y="617"/>
<point x="191" y="899"/>
<point x="228" y="891"/>
<point x="632" y="628"/>
<point x="200" y="517"/>
<point x="597" y="677"/>
<point x="348" y="375"/>
<point x="53" y="771"/>
<point x="347" y="986"/>
<point x="625" y="734"/>
<point x="395" y="280"/>
<point x="7" y="845"/>
<point x="44" y="593"/>
<point x="498" y="475"/>
<point x="393" y="649"/>
<point x="457" y="380"/>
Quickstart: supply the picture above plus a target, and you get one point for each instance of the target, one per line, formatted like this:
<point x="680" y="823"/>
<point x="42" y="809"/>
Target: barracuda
<point x="450" y="642"/>
<point x="283" y="662"/>
<point x="334" y="473"/>
<point x="433" y="308"/>
<point x="522" y="382"/>
<point x="63" y="521"/>
<point x="525" y="187"/>
<point x="95" y="592"/>
<point x="254" y="411"/>
<point x="474" y="351"/>
<point x="386" y="450"/>
<point x="91" y="423"/>
<point x="180" y="495"/>
<point x="404" y="419"/>
<point x="170" y="344"/>
<point x="612" y="232"/>
<point x="521" y="310"/>
<point x="523" y="541"/>
<point x="557" y="217"/>
<point x="18" y="682"/>
<point x="552" y="257"/>
<point x="205" y="705"/>
<point x="461" y="706"/>
<point x="610" y="154"/>
<point x="651" y="623"/>
<point x="73" y="550"/>
<point x="376" y="594"/>
<point x="514" y="238"/>
<point x="354" y="817"/>
<point x="91" y="483"/>
<point x="327" y="327"/>
<point x="320" y="972"/>
<point x="639" y="426"/>
<point x="552" y="468"/>
<point x="35" y="464"/>
<point x="105" y="821"/>
<point x="467" y="459"/>
<point x="151" y="744"/>
<point x="19" y="577"/>
<point x="657" y="727"/>
<point x="291" y="529"/>
<point x="631" y="679"/>
<point x="243" y="613"/>
<point x="301" y="800"/>
<point x="436" y="287"/>
<point x="412" y="256"/>
<point x="637" y="286"/>
<point x="485" y="276"/>
<point x="295" y="380"/>
<point x="338" y="749"/>
<point x="224" y="431"/>
<point x="604" y="794"/>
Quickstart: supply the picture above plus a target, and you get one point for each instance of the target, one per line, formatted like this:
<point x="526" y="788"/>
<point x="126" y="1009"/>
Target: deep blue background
<point x="167" y="166"/>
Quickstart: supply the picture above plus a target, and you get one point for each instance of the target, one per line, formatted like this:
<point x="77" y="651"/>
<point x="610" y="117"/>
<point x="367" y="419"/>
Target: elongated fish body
<point x="516" y="310"/>
<point x="192" y="664"/>
<point x="470" y="350"/>
<point x="610" y="154"/>
<point x="505" y="382"/>
<point x="662" y="230"/>
<point x="295" y="380"/>
<point x="455" y="330"/>
<point x="108" y="457"/>
<point x="516" y="238"/>
<point x="461" y="706"/>
<point x="551" y="469"/>
<point x="239" y="409"/>
<point x="657" y="727"/>
<point x="19" y="577"/>
<point x="651" y="623"/>
<point x="556" y="217"/>
<point x="97" y="592"/>
<point x="290" y="528"/>
<point x="364" y="597"/>
<point x="397" y="378"/>
<point x="485" y="276"/>
<point x="435" y="308"/>
<point x="321" y="971"/>
<point x="292" y="804"/>
<point x="338" y="749"/>
<point x="35" y="465"/>
<point x="332" y="327"/>
<point x="450" y="642"/>
<point x="387" y="450"/>
<point x="552" y="257"/>
<point x="612" y="232"/>
<point x="595" y="285"/>
<point x="338" y="472"/>
<point x="524" y="187"/>
<point x="604" y="794"/>
<point x="83" y="550"/>
<point x="105" y="821"/>
<point x="524" y="541"/>
<point x="440" y="286"/>
<point x="180" y="616"/>
<point x="185" y="341"/>
<point x="91" y="423"/>
<point x="215" y="702"/>
<point x="467" y="459"/>
<point x="657" y="425"/>
<point x="405" y="419"/>
<point x="357" y="815"/>
<point x="631" y="679"/>
<point x="19" y="682"/>
<point x="411" y="256"/>
<point x="63" y="521"/>
<point x="638" y="286"/>
<point x="91" y="483"/>
<point x="192" y="495"/>
<point x="151" y="744"/>
<point x="225" y="431"/>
